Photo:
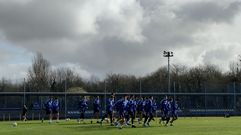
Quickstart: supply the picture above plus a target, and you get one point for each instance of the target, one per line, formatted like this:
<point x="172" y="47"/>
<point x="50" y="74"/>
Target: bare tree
<point x="38" y="73"/>
<point x="64" y="77"/>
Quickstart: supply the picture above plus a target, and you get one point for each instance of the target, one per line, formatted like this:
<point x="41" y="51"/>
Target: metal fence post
<point x="24" y="92"/>
<point x="4" y="117"/>
<point x="234" y="97"/>
<point x="205" y="89"/>
<point x="174" y="90"/>
<point x="140" y="88"/>
<point x="105" y="95"/>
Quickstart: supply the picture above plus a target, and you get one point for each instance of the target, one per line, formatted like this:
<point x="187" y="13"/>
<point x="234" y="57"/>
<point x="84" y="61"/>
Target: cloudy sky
<point x="96" y="37"/>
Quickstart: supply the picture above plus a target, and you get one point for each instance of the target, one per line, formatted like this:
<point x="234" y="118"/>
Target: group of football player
<point x="123" y="111"/>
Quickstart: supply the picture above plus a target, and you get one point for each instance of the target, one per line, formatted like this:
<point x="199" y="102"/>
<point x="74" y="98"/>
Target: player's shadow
<point x="94" y="127"/>
<point x="91" y="127"/>
<point x="30" y="123"/>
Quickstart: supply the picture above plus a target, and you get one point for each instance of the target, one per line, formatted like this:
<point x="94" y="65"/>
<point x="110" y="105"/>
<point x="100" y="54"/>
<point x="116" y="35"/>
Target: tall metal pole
<point x="169" y="78"/>
<point x="168" y="54"/>
<point x="65" y="99"/>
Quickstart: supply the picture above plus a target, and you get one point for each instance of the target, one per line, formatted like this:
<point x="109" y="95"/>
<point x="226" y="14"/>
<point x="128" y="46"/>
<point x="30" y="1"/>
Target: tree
<point x="178" y="75"/>
<point x="38" y="73"/>
<point x="64" y="77"/>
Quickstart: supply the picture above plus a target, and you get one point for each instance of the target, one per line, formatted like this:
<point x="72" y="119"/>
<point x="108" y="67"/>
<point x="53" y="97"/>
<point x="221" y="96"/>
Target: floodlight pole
<point x="168" y="54"/>
<point x="169" y="78"/>
<point x="65" y="98"/>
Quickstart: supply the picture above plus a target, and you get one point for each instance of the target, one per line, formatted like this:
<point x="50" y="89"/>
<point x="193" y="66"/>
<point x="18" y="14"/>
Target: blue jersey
<point x="148" y="106"/>
<point x="168" y="106"/>
<point x="83" y="106"/>
<point x="55" y="105"/>
<point x="118" y="104"/>
<point x="121" y="105"/>
<point x="163" y="104"/>
<point x="139" y="104"/>
<point x="154" y="106"/>
<point x="174" y="106"/>
<point x="96" y="104"/>
<point x="48" y="105"/>
<point x="125" y="105"/>
<point x="131" y="105"/>
<point x="110" y="104"/>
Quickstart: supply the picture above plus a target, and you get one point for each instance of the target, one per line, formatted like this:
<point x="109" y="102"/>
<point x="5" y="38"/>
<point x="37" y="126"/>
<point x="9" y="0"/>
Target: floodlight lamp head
<point x="171" y="54"/>
<point x="164" y="53"/>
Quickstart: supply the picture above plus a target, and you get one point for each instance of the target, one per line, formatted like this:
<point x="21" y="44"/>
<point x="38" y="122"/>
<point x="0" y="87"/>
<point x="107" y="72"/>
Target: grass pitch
<point x="183" y="126"/>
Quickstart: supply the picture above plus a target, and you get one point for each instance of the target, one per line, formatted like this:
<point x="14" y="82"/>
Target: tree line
<point x="41" y="77"/>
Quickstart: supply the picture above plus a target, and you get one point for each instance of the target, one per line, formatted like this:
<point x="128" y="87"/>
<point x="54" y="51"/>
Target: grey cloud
<point x="221" y="55"/>
<point x="218" y="54"/>
<point x="151" y="5"/>
<point x="209" y="11"/>
<point x="37" y="20"/>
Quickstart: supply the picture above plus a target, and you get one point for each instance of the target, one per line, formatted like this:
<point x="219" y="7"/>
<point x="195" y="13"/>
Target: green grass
<point x="183" y="126"/>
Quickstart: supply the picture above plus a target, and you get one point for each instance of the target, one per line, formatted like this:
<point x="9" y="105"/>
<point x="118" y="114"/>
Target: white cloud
<point x="121" y="19"/>
<point x="14" y="72"/>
